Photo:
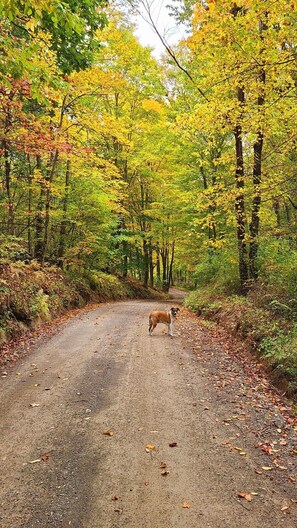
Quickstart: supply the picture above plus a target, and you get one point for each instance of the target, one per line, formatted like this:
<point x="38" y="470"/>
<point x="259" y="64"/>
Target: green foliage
<point x="12" y="248"/>
<point x="279" y="276"/>
<point x="218" y="272"/>
<point x="39" y="308"/>
<point x="281" y="352"/>
<point x="72" y="25"/>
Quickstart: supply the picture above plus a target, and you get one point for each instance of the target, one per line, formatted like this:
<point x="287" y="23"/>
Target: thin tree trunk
<point x="158" y="266"/>
<point x="29" y="221"/>
<point x="240" y="203"/>
<point x="276" y="208"/>
<point x="53" y="162"/>
<point x="257" y="176"/>
<point x="151" y="266"/>
<point x="255" y="221"/>
<point x="145" y="263"/>
<point x="164" y="256"/>
<point x="63" y="228"/>
<point x="39" y="224"/>
<point x="170" y="277"/>
<point x="7" y="168"/>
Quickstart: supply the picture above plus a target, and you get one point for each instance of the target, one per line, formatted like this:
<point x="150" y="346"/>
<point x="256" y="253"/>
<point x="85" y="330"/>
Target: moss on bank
<point x="269" y="335"/>
<point x="31" y="295"/>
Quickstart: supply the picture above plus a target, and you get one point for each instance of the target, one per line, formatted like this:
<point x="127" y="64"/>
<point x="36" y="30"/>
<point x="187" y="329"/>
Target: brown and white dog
<point x="158" y="316"/>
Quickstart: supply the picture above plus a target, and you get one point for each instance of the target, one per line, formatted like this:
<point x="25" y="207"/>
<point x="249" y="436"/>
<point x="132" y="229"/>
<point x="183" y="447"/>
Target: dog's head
<point x="174" y="311"/>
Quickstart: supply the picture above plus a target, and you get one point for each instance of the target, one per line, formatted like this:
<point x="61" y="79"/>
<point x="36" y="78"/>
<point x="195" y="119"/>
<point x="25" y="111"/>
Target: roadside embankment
<point x="31" y="295"/>
<point x="270" y="335"/>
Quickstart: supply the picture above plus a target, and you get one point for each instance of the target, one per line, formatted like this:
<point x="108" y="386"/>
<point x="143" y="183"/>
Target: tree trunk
<point x="158" y="266"/>
<point x="63" y="228"/>
<point x="170" y="277"/>
<point x="7" y="169"/>
<point x="52" y="168"/>
<point x="125" y="259"/>
<point x="255" y="221"/>
<point x="276" y="208"/>
<point x="240" y="203"/>
<point x="164" y="256"/>
<point x="145" y="264"/>
<point x="257" y="176"/>
<point x="151" y="266"/>
<point x="39" y="224"/>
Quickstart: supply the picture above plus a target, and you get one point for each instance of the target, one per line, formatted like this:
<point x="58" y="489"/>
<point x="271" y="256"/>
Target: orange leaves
<point x="246" y="496"/>
<point x="108" y="432"/>
<point x="186" y="505"/>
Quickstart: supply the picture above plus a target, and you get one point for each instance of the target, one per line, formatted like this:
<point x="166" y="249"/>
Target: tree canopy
<point x="165" y="170"/>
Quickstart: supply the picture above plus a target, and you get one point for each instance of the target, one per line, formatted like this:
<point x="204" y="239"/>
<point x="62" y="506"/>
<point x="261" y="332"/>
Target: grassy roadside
<point x="31" y="295"/>
<point x="270" y="331"/>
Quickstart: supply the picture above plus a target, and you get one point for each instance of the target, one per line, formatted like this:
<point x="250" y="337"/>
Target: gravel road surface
<point x="102" y="426"/>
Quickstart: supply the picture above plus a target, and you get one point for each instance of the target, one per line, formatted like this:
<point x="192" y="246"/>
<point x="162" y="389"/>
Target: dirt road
<point x="103" y="426"/>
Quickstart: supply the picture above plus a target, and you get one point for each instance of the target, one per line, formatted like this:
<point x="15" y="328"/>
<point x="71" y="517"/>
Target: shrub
<point x="281" y="352"/>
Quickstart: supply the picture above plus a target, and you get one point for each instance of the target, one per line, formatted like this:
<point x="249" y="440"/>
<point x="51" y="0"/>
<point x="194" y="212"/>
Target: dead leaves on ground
<point x="246" y="496"/>
<point x="164" y="471"/>
<point x="149" y="448"/>
<point x="43" y="458"/>
<point x="108" y="432"/>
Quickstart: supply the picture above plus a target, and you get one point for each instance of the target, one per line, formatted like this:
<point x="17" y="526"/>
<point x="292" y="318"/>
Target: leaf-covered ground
<point x="252" y="403"/>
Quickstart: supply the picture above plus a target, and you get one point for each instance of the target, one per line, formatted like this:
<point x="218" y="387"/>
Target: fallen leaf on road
<point x="44" y="457"/>
<point x="163" y="465"/>
<point x="107" y="433"/>
<point x="186" y="505"/>
<point x="173" y="444"/>
<point x="149" y="448"/>
<point x="114" y="498"/>
<point x="267" y="468"/>
<point x="164" y="473"/>
<point x="146" y="482"/>
<point x="119" y="510"/>
<point x="246" y="496"/>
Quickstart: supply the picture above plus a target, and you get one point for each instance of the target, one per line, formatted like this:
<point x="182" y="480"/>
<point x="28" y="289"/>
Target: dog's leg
<point x="170" y="329"/>
<point x="152" y="326"/>
<point x="152" y="329"/>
